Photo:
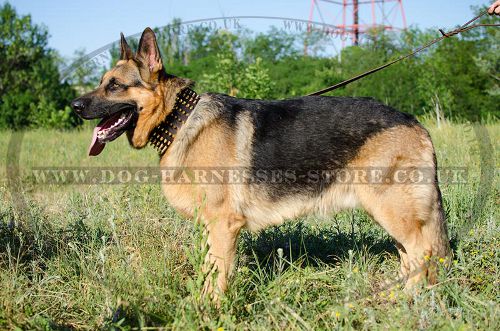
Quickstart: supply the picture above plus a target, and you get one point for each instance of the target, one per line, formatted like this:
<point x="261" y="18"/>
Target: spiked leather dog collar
<point x="164" y="134"/>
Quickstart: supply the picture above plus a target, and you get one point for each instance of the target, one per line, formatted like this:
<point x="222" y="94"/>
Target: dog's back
<point x="312" y="132"/>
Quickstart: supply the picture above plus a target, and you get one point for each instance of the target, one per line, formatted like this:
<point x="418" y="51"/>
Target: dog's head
<point x="134" y="96"/>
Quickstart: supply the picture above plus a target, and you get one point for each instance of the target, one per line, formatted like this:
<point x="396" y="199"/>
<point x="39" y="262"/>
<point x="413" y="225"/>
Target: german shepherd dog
<point x="298" y="138"/>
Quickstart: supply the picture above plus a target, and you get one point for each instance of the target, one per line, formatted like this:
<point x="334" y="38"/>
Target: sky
<point x="92" y="24"/>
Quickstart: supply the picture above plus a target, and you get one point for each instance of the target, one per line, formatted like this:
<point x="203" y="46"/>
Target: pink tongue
<point x="96" y="146"/>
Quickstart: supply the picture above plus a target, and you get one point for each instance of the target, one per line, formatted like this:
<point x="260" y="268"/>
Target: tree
<point x="271" y="46"/>
<point x="233" y="76"/>
<point x="30" y="91"/>
<point x="84" y="75"/>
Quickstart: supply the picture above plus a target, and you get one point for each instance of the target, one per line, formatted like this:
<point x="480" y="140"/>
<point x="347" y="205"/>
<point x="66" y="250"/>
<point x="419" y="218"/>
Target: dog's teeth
<point x="104" y="132"/>
<point x="117" y="122"/>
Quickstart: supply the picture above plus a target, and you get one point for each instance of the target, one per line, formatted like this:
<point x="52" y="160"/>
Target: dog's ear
<point x="148" y="54"/>
<point x="125" y="51"/>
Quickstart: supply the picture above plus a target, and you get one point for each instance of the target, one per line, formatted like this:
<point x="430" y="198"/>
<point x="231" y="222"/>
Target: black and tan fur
<point x="303" y="134"/>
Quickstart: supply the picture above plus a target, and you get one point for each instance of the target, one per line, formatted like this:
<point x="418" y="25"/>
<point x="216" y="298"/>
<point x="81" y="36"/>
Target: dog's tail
<point x="441" y="246"/>
<point x="436" y="231"/>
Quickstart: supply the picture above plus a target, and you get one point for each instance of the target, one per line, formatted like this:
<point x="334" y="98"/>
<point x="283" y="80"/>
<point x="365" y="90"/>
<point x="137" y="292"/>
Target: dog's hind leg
<point x="416" y="225"/>
<point x="406" y="200"/>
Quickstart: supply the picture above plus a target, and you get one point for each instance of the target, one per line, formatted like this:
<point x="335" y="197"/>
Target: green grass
<point x="119" y="257"/>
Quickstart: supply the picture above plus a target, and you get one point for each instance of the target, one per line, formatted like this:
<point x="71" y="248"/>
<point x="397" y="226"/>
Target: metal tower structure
<point x="350" y="17"/>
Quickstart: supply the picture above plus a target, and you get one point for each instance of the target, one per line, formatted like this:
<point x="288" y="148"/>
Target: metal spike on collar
<point x="163" y="135"/>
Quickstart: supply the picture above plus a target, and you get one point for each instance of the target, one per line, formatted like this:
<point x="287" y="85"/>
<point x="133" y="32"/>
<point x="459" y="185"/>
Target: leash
<point x="466" y="27"/>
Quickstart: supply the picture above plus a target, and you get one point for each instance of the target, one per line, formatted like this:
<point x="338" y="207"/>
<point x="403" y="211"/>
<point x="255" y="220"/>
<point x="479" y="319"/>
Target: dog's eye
<point x="113" y="86"/>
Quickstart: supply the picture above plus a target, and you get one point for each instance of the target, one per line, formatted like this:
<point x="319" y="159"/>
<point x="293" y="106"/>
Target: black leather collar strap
<point x="164" y="134"/>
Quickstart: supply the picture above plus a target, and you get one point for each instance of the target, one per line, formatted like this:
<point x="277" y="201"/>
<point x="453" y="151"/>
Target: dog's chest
<point x="186" y="169"/>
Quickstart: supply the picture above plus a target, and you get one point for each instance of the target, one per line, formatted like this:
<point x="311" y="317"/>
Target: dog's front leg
<point x="222" y="239"/>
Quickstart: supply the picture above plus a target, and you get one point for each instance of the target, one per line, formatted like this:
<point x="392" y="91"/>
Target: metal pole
<point x="403" y="14"/>
<point x="374" y="17"/>
<point x="311" y="13"/>
<point x="344" y="22"/>
<point x="356" y="22"/>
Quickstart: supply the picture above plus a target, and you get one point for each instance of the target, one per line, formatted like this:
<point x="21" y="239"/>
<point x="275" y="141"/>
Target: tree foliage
<point x="237" y="77"/>
<point x="31" y="94"/>
<point x="458" y="76"/>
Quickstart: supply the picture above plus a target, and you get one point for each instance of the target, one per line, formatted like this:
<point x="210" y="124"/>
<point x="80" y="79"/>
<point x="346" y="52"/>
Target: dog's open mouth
<point x="110" y="128"/>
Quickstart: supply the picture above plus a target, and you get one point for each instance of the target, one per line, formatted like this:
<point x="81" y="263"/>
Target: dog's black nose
<point x="78" y="105"/>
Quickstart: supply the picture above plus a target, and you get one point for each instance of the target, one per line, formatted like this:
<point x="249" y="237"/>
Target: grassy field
<point x="119" y="257"/>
